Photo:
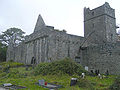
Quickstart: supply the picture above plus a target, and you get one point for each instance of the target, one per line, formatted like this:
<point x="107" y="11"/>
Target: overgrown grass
<point x="10" y="64"/>
<point x="21" y="76"/>
<point x="116" y="84"/>
<point x="65" y="66"/>
<point x="102" y="84"/>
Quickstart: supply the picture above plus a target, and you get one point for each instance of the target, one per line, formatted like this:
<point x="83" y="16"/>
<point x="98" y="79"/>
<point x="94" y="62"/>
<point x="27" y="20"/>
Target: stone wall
<point x="103" y="57"/>
<point x="19" y="53"/>
<point x="100" y="24"/>
<point x="98" y="50"/>
<point x="47" y="45"/>
<point x="10" y="52"/>
<point x="64" y="45"/>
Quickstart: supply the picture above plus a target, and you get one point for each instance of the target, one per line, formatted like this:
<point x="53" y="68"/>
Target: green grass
<point x="11" y="64"/>
<point x="102" y="83"/>
<point x="19" y="76"/>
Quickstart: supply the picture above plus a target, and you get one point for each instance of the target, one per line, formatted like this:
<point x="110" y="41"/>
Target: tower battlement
<point x="105" y="9"/>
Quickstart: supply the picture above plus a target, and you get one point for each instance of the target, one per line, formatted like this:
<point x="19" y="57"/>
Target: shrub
<point x="65" y="66"/>
<point x="116" y="84"/>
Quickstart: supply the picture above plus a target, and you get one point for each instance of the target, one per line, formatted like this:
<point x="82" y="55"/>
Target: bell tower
<point x="100" y="24"/>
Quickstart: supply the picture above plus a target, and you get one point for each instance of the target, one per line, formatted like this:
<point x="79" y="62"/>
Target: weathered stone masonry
<point x="98" y="49"/>
<point x="103" y="57"/>
<point x="47" y="44"/>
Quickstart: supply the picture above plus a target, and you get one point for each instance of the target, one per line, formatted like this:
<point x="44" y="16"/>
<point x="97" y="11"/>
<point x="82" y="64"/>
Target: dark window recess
<point x="111" y="37"/>
<point x="77" y="59"/>
<point x="68" y="50"/>
<point x="92" y="13"/>
<point x="33" y="60"/>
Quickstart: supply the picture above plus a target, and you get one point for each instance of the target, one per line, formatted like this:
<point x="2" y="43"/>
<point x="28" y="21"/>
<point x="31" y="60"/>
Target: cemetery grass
<point x="21" y="76"/>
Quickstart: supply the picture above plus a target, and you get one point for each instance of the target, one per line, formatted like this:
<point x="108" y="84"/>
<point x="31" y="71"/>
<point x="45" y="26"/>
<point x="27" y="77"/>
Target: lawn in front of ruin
<point x="19" y="75"/>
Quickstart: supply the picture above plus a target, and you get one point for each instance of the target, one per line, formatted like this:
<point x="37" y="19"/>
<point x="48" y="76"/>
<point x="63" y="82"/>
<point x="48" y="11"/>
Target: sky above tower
<point x="62" y="14"/>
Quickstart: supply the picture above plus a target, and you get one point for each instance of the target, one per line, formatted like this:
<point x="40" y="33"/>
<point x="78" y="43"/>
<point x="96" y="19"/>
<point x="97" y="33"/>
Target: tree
<point x="14" y="34"/>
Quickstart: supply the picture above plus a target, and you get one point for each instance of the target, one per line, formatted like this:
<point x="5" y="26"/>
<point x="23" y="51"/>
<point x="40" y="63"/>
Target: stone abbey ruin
<point x="97" y="50"/>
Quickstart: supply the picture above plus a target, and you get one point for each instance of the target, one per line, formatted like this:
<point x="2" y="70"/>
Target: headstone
<point x="86" y="68"/>
<point x="99" y="76"/>
<point x="73" y="81"/>
<point x="7" y="84"/>
<point x="83" y="75"/>
<point x="0" y="67"/>
<point x="107" y="73"/>
<point x="41" y="82"/>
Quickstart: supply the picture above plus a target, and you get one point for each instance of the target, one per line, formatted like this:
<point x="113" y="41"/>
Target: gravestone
<point x="41" y="82"/>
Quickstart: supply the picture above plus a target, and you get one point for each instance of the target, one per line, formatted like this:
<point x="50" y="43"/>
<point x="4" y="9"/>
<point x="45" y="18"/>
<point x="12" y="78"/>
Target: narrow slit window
<point x="93" y="13"/>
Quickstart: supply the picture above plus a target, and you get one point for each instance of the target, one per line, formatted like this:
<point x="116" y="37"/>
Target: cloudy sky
<point x="62" y="14"/>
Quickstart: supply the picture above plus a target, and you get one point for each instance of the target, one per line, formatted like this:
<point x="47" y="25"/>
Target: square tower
<point x="100" y="25"/>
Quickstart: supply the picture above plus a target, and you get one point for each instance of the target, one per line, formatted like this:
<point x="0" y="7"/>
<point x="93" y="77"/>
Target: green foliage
<point x="2" y="74"/>
<point x="7" y="65"/>
<point x="65" y="66"/>
<point x="11" y="64"/>
<point x="14" y="34"/>
<point x="84" y="83"/>
<point x="21" y="76"/>
<point x="116" y="84"/>
<point x="15" y="73"/>
<point x="101" y="84"/>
